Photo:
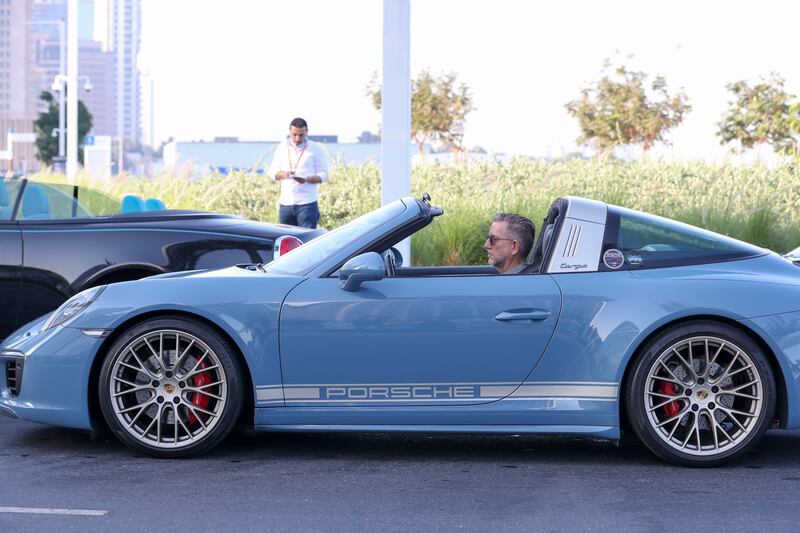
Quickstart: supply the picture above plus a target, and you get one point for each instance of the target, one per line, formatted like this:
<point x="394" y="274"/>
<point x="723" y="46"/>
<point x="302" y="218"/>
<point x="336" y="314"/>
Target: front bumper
<point x="12" y="364"/>
<point x="49" y="381"/>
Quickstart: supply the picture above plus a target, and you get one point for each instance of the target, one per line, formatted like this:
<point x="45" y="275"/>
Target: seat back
<point x="5" y="202"/>
<point x="547" y="236"/>
<point x="132" y="204"/>
<point x="35" y="205"/>
<point x="539" y="251"/>
<point x="154" y="204"/>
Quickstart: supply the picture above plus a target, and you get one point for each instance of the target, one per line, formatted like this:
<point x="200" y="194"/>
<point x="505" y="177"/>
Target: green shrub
<point x="753" y="203"/>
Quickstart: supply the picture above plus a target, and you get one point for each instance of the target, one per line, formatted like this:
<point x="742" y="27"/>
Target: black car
<point x="56" y="240"/>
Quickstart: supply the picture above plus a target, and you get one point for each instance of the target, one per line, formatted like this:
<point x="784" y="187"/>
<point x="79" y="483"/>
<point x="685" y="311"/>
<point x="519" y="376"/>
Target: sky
<point x="245" y="68"/>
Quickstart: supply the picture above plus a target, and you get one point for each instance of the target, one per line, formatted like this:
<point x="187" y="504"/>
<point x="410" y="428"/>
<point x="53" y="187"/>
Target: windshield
<point x="299" y="260"/>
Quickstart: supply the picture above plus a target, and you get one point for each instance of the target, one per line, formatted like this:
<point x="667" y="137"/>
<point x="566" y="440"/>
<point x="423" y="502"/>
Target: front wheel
<point x="171" y="387"/>
<point x="701" y="394"/>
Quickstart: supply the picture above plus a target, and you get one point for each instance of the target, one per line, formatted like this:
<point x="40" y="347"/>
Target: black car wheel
<point x="701" y="394"/>
<point x="171" y="387"/>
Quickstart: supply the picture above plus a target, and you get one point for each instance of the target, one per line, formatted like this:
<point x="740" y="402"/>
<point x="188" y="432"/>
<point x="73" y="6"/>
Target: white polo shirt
<point x="307" y="160"/>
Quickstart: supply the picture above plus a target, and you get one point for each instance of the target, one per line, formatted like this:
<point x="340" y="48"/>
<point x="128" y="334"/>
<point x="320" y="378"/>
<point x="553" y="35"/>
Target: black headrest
<point x="547" y="234"/>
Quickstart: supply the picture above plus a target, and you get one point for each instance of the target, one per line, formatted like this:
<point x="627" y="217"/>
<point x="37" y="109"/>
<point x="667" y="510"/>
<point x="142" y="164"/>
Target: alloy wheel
<point x="167" y="389"/>
<point x="703" y="396"/>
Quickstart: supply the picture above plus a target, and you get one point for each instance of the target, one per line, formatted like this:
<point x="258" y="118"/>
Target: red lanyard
<point x="299" y="157"/>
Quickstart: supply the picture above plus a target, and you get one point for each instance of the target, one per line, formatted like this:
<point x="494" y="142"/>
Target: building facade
<point x="17" y="108"/>
<point x="93" y="62"/>
<point x="118" y="27"/>
<point x="99" y="67"/>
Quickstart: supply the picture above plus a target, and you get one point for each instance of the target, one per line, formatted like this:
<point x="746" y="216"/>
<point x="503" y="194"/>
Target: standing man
<point x="509" y="242"/>
<point x="300" y="165"/>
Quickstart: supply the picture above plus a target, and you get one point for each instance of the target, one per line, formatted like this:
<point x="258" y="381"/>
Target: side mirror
<point x="361" y="268"/>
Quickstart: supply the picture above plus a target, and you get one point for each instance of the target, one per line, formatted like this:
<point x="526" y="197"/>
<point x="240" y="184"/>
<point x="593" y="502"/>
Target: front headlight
<point x="72" y="307"/>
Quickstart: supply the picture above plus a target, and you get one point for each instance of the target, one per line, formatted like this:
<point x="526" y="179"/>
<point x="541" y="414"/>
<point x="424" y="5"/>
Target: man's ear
<point x="515" y="247"/>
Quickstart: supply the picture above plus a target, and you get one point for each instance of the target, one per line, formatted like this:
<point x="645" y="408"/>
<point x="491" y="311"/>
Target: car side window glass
<point x="222" y="259"/>
<point x="47" y="201"/>
<point x="651" y="241"/>
<point x="96" y="203"/>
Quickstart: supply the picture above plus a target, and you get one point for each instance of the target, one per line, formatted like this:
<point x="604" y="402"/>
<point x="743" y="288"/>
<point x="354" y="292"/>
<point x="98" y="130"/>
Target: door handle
<point x="535" y="314"/>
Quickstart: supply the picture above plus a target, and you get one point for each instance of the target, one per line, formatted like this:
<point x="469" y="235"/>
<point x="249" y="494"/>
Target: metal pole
<point x="62" y="73"/>
<point x="120" y="155"/>
<point x="396" y="108"/>
<point x="72" y="88"/>
<point x="118" y="41"/>
<point x="152" y="132"/>
<point x="62" y="111"/>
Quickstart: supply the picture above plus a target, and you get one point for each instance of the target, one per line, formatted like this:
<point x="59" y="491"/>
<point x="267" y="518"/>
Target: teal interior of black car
<point x="5" y="202"/>
<point x="35" y="205"/>
<point x="55" y="201"/>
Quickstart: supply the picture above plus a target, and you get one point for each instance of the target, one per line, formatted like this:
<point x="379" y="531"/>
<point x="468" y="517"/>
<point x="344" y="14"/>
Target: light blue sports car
<point x="623" y="321"/>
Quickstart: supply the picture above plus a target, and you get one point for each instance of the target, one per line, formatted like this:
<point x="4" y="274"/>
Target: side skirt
<point x="606" y="432"/>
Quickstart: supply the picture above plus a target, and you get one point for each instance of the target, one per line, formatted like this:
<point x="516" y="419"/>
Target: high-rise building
<point x="148" y="110"/>
<point x="17" y="108"/>
<point x="99" y="67"/>
<point x="48" y="21"/>
<point x="121" y="35"/>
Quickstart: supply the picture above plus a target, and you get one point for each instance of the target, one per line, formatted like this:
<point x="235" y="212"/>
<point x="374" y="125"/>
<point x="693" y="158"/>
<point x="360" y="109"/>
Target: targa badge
<point x="613" y="259"/>
<point x="634" y="259"/>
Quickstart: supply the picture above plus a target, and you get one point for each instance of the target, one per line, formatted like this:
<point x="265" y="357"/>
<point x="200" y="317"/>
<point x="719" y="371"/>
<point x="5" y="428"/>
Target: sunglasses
<point x="493" y="240"/>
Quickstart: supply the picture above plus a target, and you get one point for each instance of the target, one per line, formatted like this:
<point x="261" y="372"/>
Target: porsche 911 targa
<point x="623" y="321"/>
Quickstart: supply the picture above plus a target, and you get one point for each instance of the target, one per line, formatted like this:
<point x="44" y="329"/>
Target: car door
<point x="10" y="260"/>
<point x="10" y="276"/>
<point x="45" y="284"/>
<point x="439" y="340"/>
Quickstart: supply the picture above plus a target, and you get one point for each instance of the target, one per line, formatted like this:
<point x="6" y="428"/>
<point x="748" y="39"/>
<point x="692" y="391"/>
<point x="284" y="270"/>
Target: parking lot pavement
<point x="56" y="479"/>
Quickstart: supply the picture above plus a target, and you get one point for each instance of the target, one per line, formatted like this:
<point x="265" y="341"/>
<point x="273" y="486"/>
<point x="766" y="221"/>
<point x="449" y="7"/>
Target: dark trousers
<point x="305" y="215"/>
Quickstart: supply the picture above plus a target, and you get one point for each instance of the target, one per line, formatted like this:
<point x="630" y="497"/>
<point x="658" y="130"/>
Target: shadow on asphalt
<point x="23" y="439"/>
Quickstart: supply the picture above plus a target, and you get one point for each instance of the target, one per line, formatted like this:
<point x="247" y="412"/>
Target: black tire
<point x="171" y="387"/>
<point x="707" y="415"/>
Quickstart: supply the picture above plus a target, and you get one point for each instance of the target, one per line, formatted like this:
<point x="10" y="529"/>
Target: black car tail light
<point x="285" y="244"/>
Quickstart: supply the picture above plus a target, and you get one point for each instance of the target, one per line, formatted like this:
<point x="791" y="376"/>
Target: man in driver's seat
<point x="509" y="242"/>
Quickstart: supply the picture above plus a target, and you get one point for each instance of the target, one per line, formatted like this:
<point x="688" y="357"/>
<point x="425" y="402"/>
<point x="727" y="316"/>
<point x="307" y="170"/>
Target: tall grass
<point x="754" y="203"/>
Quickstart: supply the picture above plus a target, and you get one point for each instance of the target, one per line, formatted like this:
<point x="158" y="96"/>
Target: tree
<point x="619" y="110"/>
<point x="760" y="114"/>
<point x="792" y="146"/>
<point x="47" y="124"/>
<point x="439" y="106"/>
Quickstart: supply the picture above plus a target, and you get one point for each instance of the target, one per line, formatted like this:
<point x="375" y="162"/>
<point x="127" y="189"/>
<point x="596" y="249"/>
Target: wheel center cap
<point x="702" y="395"/>
<point x="169" y="388"/>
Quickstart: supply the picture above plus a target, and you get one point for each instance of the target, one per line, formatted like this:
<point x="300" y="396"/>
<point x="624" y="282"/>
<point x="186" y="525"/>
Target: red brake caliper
<point x="199" y="399"/>
<point x="672" y="408"/>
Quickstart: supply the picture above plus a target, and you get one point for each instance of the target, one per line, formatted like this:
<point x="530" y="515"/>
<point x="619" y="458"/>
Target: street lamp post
<point x="59" y="85"/>
<point x="61" y="80"/>
<point x="72" y="95"/>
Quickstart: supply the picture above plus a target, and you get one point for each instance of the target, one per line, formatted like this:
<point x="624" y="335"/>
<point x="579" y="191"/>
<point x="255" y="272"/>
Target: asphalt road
<point x="371" y="482"/>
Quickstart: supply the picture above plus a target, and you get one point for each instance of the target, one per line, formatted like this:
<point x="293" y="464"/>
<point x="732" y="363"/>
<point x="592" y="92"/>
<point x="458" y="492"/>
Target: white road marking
<point x="45" y="510"/>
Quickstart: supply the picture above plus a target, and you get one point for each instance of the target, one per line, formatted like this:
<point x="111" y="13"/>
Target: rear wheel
<point x="171" y="387"/>
<point x="702" y="394"/>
